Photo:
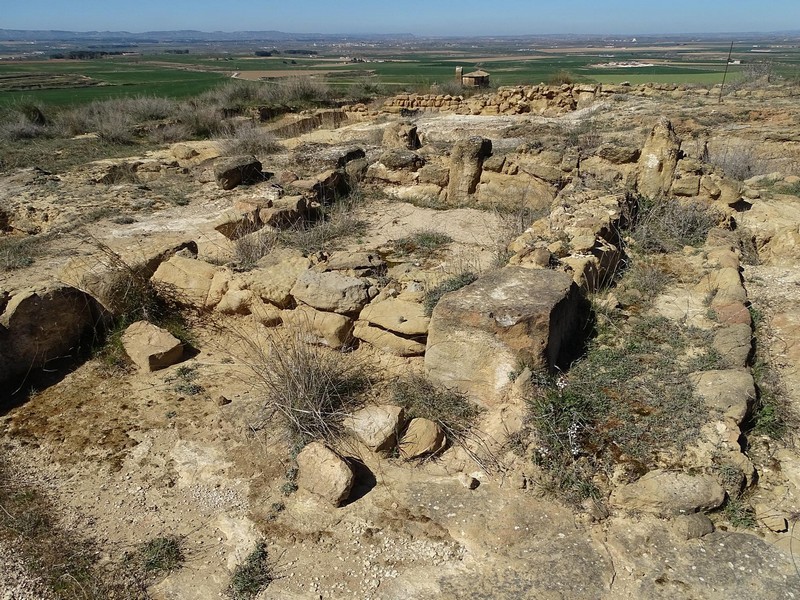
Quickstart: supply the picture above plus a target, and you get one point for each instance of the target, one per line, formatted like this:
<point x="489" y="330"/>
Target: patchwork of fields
<point x="66" y="82"/>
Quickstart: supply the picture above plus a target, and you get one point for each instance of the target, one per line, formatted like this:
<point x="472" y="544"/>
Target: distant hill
<point x="23" y="35"/>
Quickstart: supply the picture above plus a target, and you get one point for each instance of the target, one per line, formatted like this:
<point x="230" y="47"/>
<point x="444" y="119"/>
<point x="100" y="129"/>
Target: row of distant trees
<point x="93" y="54"/>
<point x="84" y="54"/>
<point x="272" y="52"/>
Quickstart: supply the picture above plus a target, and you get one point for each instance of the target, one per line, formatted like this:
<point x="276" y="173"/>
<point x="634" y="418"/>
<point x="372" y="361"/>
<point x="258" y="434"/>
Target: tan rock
<point x="151" y="347"/>
<point x="275" y="276"/>
<point x="377" y="427"/>
<point x="324" y="473"/>
<point x="187" y="280"/>
<point x="387" y="341"/>
<point x="669" y="493"/>
<point x="37" y="325"/>
<point x="422" y="438"/>
<point x="658" y="159"/>
<point x="401" y="135"/>
<point x="398" y="316"/>
<point x="482" y="332"/>
<point x="694" y="526"/>
<point x="332" y="291"/>
<point x="466" y="164"/>
<point x="318" y="327"/>
<point x="771" y="517"/>
<point x="728" y="391"/>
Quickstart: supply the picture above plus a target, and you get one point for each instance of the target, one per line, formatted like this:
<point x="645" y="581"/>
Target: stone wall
<point x="547" y="99"/>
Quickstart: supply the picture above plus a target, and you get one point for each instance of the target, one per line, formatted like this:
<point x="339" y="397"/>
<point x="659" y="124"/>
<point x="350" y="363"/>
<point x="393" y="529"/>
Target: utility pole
<point x="727" y="64"/>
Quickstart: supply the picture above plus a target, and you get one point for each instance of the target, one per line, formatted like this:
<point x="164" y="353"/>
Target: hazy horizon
<point x="422" y="18"/>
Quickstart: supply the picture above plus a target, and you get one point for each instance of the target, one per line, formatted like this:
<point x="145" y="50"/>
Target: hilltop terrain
<point x="537" y="342"/>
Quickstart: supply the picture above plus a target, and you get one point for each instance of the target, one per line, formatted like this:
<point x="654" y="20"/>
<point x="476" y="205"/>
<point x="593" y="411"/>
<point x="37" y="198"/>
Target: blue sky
<point x="422" y="17"/>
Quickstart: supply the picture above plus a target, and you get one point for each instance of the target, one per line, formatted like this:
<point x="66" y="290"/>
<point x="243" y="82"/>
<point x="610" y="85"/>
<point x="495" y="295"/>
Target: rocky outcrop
<point x="484" y="331"/>
<point x="319" y="327"/>
<point x="324" y="473"/>
<point x="107" y="275"/>
<point x="582" y="234"/>
<point x="150" y="347"/>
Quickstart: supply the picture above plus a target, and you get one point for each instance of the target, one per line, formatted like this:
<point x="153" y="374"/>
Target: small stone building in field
<point x="477" y="78"/>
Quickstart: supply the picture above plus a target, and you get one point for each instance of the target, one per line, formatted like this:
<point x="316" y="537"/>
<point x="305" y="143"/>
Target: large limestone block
<point x="658" y="160"/>
<point x="466" y="164"/>
<point x="399" y="316"/>
<point x="41" y="325"/>
<point x="669" y="493"/>
<point x="151" y="347"/>
<point x="728" y="391"/>
<point x="484" y="331"/>
<point x="324" y="473"/>
<point x="332" y="291"/>
<point x="377" y="426"/>
<point x="188" y="280"/>
<point x="318" y="327"/>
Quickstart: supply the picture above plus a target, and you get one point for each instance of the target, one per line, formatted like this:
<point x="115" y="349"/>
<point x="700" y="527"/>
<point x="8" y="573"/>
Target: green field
<point x="186" y="75"/>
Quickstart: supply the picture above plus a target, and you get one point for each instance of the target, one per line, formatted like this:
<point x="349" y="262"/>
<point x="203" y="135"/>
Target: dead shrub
<point x="667" y="225"/>
<point x="250" y="139"/>
<point x="737" y="162"/>
<point x="311" y="389"/>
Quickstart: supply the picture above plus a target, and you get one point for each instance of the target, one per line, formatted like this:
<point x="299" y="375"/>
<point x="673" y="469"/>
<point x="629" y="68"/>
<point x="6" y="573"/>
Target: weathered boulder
<point x="377" y="426"/>
<point x="318" y="327"/>
<point x="422" y="438"/>
<point x="669" y="493"/>
<point x="230" y="172"/>
<point x="484" y="331"/>
<point x="151" y="347"/>
<point x="38" y="326"/>
<point x="466" y="164"/>
<point x="324" y="473"/>
<point x="728" y="391"/>
<point x="658" y="159"/>
<point x="401" y="135"/>
<point x="693" y="526"/>
<point x="187" y="280"/>
<point x="435" y="174"/>
<point x="332" y="291"/>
